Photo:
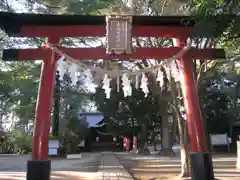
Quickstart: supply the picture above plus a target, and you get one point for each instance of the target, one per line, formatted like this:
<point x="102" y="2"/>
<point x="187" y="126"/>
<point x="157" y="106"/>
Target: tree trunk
<point x="56" y="107"/>
<point x="166" y="145"/>
<point x="68" y="146"/>
<point x="185" y="162"/>
<point x="154" y="140"/>
<point x="174" y="129"/>
<point x="143" y="149"/>
<point x="183" y="133"/>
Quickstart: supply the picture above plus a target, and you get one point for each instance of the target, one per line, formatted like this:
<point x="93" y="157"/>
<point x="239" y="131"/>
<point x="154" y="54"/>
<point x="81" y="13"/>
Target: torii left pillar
<point x="39" y="167"/>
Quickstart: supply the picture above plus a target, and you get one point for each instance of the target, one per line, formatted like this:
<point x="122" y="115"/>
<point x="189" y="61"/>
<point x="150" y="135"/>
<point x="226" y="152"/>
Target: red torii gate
<point x="54" y="27"/>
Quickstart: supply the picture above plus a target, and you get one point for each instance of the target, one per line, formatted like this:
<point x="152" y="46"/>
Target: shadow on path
<point x="156" y="168"/>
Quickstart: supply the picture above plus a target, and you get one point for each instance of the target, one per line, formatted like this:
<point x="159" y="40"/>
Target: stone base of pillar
<point x="201" y="166"/>
<point x="38" y="170"/>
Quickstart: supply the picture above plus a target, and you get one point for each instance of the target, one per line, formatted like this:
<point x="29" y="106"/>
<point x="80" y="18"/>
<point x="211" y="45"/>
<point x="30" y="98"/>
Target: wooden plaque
<point x="119" y="34"/>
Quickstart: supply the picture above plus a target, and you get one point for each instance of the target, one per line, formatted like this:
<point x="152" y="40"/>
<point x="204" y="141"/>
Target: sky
<point x="18" y="5"/>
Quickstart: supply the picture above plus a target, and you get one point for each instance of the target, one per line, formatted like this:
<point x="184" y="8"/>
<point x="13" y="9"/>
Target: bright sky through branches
<point x="17" y="5"/>
<point x="20" y="6"/>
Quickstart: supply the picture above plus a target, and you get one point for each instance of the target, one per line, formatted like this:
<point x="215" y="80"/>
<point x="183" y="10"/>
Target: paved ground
<point x="111" y="169"/>
<point x="92" y="166"/>
<point x="155" y="167"/>
<point x="14" y="168"/>
<point x="106" y="166"/>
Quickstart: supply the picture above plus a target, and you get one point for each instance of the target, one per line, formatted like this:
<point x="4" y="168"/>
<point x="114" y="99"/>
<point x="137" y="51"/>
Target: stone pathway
<point x="104" y="166"/>
<point x="111" y="169"/>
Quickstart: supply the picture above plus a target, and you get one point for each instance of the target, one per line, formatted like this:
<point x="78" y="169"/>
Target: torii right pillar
<point x="201" y="160"/>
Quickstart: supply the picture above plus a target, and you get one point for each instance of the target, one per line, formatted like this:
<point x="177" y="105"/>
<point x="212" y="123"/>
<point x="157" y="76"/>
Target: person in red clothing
<point x="124" y="143"/>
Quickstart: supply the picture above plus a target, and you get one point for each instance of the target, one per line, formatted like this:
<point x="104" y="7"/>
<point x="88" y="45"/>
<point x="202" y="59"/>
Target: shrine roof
<point x="12" y="21"/>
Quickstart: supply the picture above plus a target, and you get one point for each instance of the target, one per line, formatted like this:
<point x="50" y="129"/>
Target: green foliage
<point x="217" y="18"/>
<point x="76" y="6"/>
<point x="18" y="89"/>
<point x="73" y="133"/>
<point x="26" y="77"/>
<point x="128" y="112"/>
<point x="89" y="6"/>
<point x="216" y="109"/>
<point x="54" y="3"/>
<point x="216" y="96"/>
<point x="72" y="101"/>
<point x="20" y="141"/>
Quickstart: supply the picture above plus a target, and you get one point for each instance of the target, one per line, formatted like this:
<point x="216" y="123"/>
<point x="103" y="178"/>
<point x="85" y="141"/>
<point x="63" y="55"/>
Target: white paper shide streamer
<point x="168" y="72"/>
<point x="106" y="85"/>
<point x="171" y="68"/>
<point x="127" y="88"/>
<point x="170" y="65"/>
<point x="67" y="66"/>
<point x="137" y="82"/>
<point x="61" y="67"/>
<point x="160" y="76"/>
<point x="174" y="71"/>
<point x="73" y="73"/>
<point x="144" y="84"/>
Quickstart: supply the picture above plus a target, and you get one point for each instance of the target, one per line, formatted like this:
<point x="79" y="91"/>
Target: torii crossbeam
<point x="54" y="27"/>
